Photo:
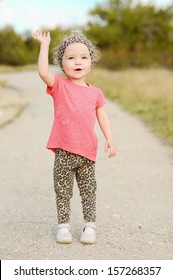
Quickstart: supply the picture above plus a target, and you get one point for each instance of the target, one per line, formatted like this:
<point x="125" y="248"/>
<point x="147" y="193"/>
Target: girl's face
<point x="76" y="62"/>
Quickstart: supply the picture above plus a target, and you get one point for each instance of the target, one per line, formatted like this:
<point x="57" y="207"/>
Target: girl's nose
<point x="78" y="61"/>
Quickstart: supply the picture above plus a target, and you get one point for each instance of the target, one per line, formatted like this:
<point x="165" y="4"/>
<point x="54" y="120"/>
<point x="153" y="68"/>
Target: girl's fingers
<point x="112" y="152"/>
<point x="37" y="32"/>
<point x="106" y="147"/>
<point x="111" y="148"/>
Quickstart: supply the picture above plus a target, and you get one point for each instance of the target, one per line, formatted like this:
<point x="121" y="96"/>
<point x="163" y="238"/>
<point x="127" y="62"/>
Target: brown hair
<point x="75" y="37"/>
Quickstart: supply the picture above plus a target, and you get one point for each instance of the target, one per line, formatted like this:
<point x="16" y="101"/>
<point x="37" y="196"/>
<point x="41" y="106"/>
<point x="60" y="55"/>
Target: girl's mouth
<point x="78" y="69"/>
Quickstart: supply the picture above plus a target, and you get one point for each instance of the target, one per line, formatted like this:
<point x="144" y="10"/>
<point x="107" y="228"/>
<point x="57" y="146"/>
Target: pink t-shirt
<point x="74" y="117"/>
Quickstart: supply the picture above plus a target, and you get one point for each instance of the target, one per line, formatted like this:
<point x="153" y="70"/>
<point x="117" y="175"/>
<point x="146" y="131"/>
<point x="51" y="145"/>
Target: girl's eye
<point x="84" y="57"/>
<point x="70" y="57"/>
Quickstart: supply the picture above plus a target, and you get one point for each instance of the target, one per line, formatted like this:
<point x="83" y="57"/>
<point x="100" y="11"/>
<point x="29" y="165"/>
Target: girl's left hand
<point x="110" y="146"/>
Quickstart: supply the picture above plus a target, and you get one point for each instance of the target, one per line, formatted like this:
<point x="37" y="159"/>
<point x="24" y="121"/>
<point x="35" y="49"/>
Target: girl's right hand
<point x="42" y="37"/>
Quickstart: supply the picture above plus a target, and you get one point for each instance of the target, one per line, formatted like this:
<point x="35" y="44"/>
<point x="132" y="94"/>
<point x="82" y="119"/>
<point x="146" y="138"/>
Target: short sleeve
<point x="52" y="90"/>
<point x="100" y="99"/>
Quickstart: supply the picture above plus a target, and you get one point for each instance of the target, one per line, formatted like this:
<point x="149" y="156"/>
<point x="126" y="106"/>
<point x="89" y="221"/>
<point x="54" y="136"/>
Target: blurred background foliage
<point x="128" y="35"/>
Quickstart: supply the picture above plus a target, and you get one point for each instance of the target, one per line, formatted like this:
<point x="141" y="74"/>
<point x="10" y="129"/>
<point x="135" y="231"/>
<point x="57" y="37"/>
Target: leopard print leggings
<point x="67" y="166"/>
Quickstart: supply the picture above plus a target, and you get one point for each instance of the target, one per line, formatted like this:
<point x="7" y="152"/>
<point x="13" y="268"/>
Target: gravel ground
<point x="135" y="189"/>
<point x="12" y="104"/>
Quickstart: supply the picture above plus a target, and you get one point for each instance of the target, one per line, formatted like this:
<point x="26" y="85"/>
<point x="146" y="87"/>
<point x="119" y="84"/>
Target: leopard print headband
<point x="75" y="37"/>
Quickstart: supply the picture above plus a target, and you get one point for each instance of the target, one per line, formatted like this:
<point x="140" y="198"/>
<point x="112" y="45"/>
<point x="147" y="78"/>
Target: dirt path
<point x="135" y="189"/>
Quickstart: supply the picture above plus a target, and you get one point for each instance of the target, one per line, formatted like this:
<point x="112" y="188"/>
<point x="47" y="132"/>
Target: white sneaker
<point x="88" y="235"/>
<point x="64" y="235"/>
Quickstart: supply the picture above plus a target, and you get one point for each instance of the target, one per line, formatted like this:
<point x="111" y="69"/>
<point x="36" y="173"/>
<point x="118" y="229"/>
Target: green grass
<point x="147" y="93"/>
<point x="4" y="84"/>
<point x="6" y="68"/>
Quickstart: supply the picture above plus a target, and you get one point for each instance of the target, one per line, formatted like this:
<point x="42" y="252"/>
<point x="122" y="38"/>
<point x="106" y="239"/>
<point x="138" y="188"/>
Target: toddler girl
<point x="77" y="104"/>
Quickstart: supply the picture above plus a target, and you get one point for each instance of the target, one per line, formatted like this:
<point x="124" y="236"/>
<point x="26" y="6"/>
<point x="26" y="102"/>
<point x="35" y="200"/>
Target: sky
<point x="29" y="15"/>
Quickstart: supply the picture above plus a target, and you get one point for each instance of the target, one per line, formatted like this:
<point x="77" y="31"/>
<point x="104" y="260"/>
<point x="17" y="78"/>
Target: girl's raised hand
<point x="42" y="37"/>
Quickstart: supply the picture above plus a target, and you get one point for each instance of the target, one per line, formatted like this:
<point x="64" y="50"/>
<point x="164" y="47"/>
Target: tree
<point x="121" y="26"/>
<point x="12" y="48"/>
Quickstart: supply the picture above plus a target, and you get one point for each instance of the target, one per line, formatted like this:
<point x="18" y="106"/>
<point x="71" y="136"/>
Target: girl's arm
<point x="105" y="126"/>
<point x="43" y="61"/>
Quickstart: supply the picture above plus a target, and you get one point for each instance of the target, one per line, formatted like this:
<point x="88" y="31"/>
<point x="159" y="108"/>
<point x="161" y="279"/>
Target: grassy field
<point x="8" y="69"/>
<point x="147" y="93"/>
